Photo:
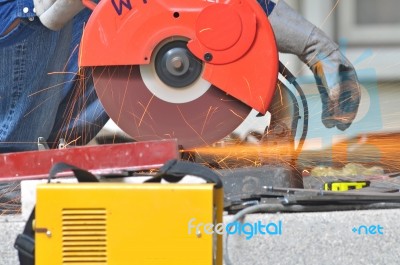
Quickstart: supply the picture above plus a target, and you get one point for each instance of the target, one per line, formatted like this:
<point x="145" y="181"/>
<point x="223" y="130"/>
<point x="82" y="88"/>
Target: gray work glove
<point x="335" y="75"/>
<point x="54" y="14"/>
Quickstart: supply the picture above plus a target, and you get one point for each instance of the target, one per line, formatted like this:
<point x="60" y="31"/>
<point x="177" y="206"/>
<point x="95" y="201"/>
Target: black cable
<point x="292" y="80"/>
<point x="236" y="217"/>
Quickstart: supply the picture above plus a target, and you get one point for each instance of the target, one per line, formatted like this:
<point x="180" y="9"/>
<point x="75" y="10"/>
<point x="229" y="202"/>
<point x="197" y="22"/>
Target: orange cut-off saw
<point x="175" y="69"/>
<point x="190" y="70"/>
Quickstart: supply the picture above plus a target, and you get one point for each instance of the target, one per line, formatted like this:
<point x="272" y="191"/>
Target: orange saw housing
<point x="233" y="38"/>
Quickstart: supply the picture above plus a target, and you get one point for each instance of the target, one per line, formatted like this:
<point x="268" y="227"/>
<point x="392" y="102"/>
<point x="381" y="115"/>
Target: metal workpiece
<point x="101" y="158"/>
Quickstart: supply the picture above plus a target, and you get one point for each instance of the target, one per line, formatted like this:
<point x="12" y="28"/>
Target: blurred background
<point x="368" y="33"/>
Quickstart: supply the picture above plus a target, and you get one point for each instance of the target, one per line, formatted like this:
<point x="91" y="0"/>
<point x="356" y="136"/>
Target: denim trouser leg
<point x="80" y="115"/>
<point x="40" y="94"/>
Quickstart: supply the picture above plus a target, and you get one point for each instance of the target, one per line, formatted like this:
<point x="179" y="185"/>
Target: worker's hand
<point x="335" y="76"/>
<point x="339" y="89"/>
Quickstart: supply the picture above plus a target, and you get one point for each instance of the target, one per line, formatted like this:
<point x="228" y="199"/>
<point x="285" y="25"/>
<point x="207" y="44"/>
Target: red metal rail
<point x="134" y="156"/>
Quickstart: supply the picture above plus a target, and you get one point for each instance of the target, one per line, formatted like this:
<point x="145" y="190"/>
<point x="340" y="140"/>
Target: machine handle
<point x="174" y="171"/>
<point x="81" y="174"/>
<point x="89" y="4"/>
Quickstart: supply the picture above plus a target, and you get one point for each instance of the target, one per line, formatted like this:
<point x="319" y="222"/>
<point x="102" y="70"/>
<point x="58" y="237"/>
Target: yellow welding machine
<point x="125" y="224"/>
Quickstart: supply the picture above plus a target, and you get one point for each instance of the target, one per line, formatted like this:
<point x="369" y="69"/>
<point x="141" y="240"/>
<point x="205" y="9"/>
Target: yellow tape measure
<point x="341" y="185"/>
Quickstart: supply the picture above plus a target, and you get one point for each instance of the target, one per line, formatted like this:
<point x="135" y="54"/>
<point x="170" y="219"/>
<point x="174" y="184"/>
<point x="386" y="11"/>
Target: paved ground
<point x="10" y="226"/>
<point x="322" y="238"/>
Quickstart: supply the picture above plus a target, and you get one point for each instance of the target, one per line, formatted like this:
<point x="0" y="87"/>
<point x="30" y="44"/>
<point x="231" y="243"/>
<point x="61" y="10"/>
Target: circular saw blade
<point x="144" y="116"/>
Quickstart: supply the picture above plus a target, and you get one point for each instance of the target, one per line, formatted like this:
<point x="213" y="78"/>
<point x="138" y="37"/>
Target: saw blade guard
<point x="233" y="40"/>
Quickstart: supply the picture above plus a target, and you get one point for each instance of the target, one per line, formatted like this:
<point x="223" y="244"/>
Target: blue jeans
<point x="41" y="92"/>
